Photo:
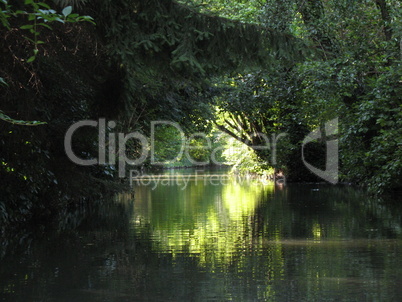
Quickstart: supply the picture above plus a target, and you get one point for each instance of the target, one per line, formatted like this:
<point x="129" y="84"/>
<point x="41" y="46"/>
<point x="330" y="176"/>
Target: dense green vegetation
<point x="243" y="67"/>
<point x="356" y="76"/>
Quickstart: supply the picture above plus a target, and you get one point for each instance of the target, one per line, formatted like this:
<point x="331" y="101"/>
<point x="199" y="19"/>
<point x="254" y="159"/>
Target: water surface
<point x="203" y="236"/>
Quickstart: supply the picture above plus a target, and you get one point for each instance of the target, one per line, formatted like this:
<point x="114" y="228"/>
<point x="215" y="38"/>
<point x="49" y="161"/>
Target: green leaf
<point x="45" y="25"/>
<point x="31" y="59"/>
<point x="67" y="10"/>
<point x="44" y="5"/>
<point x="28" y="26"/>
<point x="30" y="40"/>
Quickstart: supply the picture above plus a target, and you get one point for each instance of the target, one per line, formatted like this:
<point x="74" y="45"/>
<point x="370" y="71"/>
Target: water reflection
<point x="206" y="220"/>
<point x="229" y="241"/>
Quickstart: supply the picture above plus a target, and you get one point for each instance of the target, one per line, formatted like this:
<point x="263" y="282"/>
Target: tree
<point x="355" y="78"/>
<point x="145" y="59"/>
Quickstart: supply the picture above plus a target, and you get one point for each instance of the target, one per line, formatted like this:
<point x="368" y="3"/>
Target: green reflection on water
<point x="207" y="220"/>
<point x="235" y="241"/>
<point x="325" y="242"/>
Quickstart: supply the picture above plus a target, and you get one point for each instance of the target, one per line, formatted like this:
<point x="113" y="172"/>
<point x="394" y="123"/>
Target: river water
<point x="205" y="236"/>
